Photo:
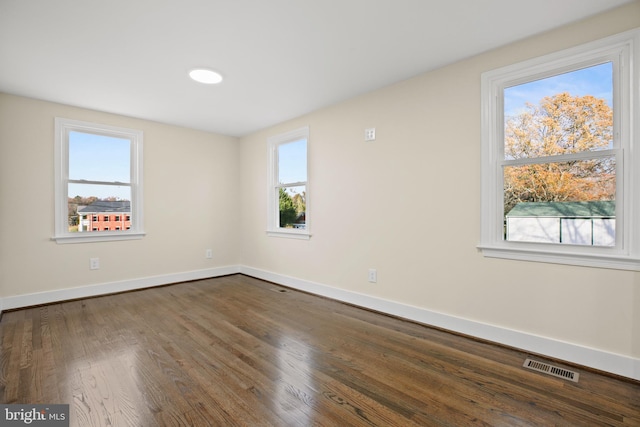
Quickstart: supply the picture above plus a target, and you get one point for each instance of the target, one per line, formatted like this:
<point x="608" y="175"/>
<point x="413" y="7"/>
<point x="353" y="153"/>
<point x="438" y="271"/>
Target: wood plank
<point x="236" y="351"/>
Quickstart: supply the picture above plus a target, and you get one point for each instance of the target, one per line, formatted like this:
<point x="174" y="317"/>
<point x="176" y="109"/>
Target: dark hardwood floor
<point x="236" y="351"/>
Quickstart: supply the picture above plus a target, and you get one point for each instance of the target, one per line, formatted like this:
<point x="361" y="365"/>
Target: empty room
<point x="330" y="213"/>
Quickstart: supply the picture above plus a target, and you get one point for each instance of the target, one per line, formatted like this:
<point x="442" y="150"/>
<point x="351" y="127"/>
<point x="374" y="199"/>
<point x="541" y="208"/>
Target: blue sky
<point x="292" y="161"/>
<point x="596" y="80"/>
<point x="99" y="158"/>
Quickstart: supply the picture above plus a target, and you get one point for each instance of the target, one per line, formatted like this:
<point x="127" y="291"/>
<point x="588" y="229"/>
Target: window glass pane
<point x="292" y="162"/>
<point x="101" y="192"/>
<point x="562" y="114"/>
<point x="95" y="207"/>
<point x="99" y="158"/>
<point x="564" y="202"/>
<point x="292" y="207"/>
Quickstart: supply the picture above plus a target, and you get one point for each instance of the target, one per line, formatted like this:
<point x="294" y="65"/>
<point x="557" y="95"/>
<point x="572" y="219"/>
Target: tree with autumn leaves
<point x="561" y="124"/>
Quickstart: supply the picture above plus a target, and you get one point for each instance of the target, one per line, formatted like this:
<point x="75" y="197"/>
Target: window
<point x="98" y="172"/>
<point x="558" y="172"/>
<point x="288" y="214"/>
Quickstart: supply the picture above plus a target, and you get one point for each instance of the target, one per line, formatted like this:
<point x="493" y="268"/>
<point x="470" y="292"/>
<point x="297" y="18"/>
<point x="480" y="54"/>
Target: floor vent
<point x="551" y="370"/>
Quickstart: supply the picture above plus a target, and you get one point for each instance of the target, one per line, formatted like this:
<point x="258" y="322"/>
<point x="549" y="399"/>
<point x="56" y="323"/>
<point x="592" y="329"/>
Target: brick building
<point x="105" y="216"/>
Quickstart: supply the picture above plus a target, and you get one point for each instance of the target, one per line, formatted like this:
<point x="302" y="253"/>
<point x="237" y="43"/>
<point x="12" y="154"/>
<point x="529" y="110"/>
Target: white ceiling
<point x="280" y="58"/>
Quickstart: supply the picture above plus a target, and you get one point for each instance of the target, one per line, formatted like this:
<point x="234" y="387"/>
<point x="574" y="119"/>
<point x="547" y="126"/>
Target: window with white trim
<point x="288" y="213"/>
<point x="559" y="167"/>
<point x="98" y="173"/>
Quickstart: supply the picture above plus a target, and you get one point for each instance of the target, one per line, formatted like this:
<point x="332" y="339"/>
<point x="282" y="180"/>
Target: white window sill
<point x="614" y="261"/>
<point x="97" y="236"/>
<point x="300" y="235"/>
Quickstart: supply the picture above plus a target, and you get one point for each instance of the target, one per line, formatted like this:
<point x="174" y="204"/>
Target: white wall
<point x="373" y="205"/>
<point x="190" y="204"/>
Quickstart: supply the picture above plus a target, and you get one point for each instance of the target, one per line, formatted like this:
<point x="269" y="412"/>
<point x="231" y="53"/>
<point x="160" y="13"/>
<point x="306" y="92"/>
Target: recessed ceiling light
<point x="202" y="75"/>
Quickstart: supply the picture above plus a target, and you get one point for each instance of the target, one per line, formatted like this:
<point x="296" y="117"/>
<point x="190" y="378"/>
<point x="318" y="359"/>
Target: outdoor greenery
<point x="291" y="207"/>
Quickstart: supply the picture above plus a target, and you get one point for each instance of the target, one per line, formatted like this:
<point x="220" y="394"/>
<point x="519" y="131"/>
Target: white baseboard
<point x="48" y="297"/>
<point x="574" y="353"/>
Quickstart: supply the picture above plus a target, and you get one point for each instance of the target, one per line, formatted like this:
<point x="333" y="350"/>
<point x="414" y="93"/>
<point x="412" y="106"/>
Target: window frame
<point x="63" y="127"/>
<point x="624" y="51"/>
<point x="273" y="208"/>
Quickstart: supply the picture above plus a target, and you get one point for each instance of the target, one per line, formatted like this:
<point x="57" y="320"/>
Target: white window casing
<point x="623" y="51"/>
<point x="273" y="211"/>
<point x="63" y="128"/>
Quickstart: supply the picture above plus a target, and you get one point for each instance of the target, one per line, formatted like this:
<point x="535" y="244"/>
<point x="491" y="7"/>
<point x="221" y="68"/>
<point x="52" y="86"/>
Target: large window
<point x="558" y="165"/>
<point x="288" y="214"/>
<point x="98" y="178"/>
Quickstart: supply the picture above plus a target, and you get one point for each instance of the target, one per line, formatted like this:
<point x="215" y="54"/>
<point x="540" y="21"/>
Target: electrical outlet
<point x="373" y="275"/>
<point x="208" y="254"/>
<point x="94" y="263"/>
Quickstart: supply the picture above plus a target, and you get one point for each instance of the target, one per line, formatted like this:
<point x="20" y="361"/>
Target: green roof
<point x="597" y="209"/>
